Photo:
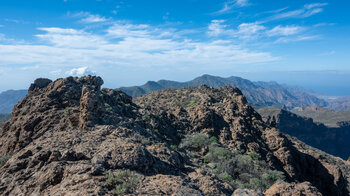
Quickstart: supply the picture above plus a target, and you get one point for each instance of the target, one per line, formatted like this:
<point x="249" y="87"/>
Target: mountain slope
<point x="257" y="93"/>
<point x="333" y="140"/>
<point x="330" y="118"/>
<point x="9" y="98"/>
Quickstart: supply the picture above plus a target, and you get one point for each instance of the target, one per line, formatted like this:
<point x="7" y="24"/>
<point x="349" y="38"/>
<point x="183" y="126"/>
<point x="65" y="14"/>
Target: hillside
<point x="330" y="118"/>
<point x="9" y="98"/>
<point x="70" y="137"/>
<point x="340" y="103"/>
<point x="333" y="140"/>
<point x="257" y="93"/>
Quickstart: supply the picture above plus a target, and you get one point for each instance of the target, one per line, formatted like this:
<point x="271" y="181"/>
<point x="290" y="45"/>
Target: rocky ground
<point x="70" y="137"/>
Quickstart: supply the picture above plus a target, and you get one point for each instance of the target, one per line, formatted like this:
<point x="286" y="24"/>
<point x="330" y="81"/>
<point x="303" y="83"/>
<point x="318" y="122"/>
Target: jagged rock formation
<point x="66" y="135"/>
<point x="333" y="140"/>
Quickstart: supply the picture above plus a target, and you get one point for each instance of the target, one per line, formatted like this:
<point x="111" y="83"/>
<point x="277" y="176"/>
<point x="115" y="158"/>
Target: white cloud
<point x="242" y="3"/>
<point x="243" y="31"/>
<point x="122" y="29"/>
<point x="313" y="5"/>
<point x="81" y="71"/>
<point x="297" y="39"/>
<point x="71" y="38"/>
<point x="307" y="11"/>
<point x="284" y="30"/>
<point x="87" y="17"/>
<point x="249" y="30"/>
<point x="56" y="72"/>
<point x="128" y="45"/>
<point x="229" y="5"/>
<point x="216" y="27"/>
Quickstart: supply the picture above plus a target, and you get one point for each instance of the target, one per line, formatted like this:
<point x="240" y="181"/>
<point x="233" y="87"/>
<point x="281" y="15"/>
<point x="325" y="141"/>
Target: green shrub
<point x="174" y="147"/>
<point x="218" y="154"/>
<point x="226" y="177"/>
<point x="191" y="104"/>
<point x="108" y="107"/>
<point x="145" y="140"/>
<point x="213" y="140"/>
<point x="67" y="111"/>
<point x="123" y="181"/>
<point x="253" y="155"/>
<point x="271" y="176"/>
<point x="195" y="142"/>
<point x="241" y="171"/>
<point x="145" y="117"/>
<point x="4" y="158"/>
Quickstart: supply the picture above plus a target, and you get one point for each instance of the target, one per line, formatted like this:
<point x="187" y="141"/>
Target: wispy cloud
<point x="249" y="30"/>
<point x="72" y="38"/>
<point x="297" y="39"/>
<point x="315" y="5"/>
<point x="216" y="28"/>
<point x="307" y="11"/>
<point x="243" y="31"/>
<point x="229" y="5"/>
<point x="127" y="45"/>
<point x="87" y="17"/>
<point x="258" y="32"/>
<point x="284" y="30"/>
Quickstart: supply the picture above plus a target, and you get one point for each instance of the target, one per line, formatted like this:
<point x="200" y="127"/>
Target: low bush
<point x="241" y="171"/>
<point x="195" y="142"/>
<point x="123" y="181"/>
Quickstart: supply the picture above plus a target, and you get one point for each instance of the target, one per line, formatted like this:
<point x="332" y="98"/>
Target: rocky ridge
<point x="70" y="137"/>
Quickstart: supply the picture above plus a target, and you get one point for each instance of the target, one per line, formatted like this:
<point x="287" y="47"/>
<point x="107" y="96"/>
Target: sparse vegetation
<point x="122" y="181"/>
<point x="4" y="158"/>
<point x="239" y="170"/>
<point x="145" y="117"/>
<point x="213" y="140"/>
<point x="66" y="111"/>
<point x="195" y="142"/>
<point x="108" y="107"/>
<point x="157" y="131"/>
<point x="174" y="147"/>
<point x="191" y="104"/>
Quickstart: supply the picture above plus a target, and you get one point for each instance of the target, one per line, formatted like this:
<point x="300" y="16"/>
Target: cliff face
<point x="333" y="140"/>
<point x="72" y="137"/>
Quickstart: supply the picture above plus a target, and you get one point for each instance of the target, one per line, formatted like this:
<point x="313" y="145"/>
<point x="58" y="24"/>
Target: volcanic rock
<point x="66" y="136"/>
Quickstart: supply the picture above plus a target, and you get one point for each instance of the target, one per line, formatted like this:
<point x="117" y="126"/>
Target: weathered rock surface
<point x="64" y="136"/>
<point x="287" y="189"/>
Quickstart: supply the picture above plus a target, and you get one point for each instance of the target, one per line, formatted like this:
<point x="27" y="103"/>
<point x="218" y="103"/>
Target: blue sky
<point x="130" y="42"/>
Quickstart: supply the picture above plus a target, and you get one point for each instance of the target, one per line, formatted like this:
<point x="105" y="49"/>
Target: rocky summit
<point x="70" y="137"/>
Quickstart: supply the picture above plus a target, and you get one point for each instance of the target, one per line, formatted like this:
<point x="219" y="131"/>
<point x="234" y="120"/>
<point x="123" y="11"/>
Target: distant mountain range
<point x="257" y="93"/>
<point x="10" y="98"/>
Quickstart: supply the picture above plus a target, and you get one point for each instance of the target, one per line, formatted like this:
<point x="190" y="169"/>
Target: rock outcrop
<point x="287" y="189"/>
<point x="72" y="137"/>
